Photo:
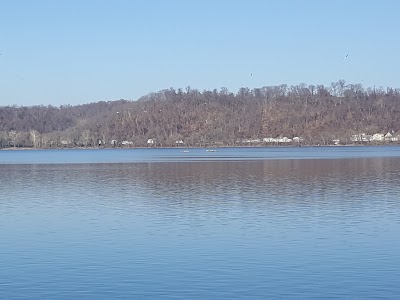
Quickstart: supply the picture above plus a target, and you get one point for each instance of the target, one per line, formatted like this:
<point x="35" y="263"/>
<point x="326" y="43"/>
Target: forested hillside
<point x="317" y="114"/>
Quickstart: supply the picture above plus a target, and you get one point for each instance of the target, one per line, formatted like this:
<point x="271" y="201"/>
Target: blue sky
<point x="81" y="51"/>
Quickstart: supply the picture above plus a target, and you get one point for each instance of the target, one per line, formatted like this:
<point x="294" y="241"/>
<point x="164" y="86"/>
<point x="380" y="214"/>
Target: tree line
<point x="193" y="118"/>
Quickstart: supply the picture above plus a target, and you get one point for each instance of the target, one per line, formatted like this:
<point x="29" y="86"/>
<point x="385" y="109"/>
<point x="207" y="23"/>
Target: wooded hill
<point x="318" y="114"/>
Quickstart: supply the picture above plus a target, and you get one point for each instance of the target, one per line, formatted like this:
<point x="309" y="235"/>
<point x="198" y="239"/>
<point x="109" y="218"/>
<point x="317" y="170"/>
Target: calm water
<point x="304" y="223"/>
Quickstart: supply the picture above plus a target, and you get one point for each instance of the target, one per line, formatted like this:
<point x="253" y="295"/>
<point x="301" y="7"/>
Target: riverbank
<point x="210" y="147"/>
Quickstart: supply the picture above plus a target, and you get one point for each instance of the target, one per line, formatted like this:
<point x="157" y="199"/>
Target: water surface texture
<point x="282" y="223"/>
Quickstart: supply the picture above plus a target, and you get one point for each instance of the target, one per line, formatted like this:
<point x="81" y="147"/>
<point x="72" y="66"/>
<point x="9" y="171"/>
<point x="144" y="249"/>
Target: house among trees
<point x="297" y="139"/>
<point x="65" y="142"/>
<point x="378" y="137"/>
<point x="388" y="136"/>
<point x="391" y="137"/>
<point x="362" y="137"/>
<point x="279" y="140"/>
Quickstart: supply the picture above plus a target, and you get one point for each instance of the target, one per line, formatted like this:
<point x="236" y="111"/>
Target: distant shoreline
<point x="216" y="147"/>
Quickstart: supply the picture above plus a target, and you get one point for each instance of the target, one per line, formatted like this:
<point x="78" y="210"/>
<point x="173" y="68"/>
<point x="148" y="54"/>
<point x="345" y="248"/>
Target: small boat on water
<point x="211" y="150"/>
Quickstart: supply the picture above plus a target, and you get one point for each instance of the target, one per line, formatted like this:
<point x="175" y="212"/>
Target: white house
<point x="396" y="138"/>
<point x="388" y="136"/>
<point x="283" y="140"/>
<point x="269" y="140"/>
<point x="362" y="137"/>
<point x="286" y="139"/>
<point x="366" y="138"/>
<point x="378" y="137"/>
<point x="297" y="139"/>
<point x="150" y="142"/>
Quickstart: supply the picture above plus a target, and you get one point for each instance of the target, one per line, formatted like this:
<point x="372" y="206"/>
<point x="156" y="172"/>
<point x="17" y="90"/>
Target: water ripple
<point x="304" y="228"/>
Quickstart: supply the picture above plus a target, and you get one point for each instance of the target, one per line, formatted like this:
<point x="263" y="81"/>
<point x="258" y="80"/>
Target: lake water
<point x="250" y="223"/>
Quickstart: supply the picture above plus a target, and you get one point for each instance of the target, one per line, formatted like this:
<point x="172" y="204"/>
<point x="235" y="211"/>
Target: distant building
<point x="278" y="140"/>
<point x="366" y="138"/>
<point x="362" y="137"/>
<point x="378" y="137"/>
<point x="269" y="140"/>
<point x="285" y="140"/>
<point x="388" y="136"/>
<point x="297" y="139"/>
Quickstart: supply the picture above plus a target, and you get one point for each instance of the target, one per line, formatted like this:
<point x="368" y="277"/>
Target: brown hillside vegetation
<point x="171" y="117"/>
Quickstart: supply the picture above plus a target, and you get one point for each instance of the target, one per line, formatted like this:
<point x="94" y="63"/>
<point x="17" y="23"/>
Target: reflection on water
<point x="201" y="230"/>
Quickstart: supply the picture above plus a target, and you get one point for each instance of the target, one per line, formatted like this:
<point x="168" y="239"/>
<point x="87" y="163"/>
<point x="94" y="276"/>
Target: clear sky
<point x="79" y="51"/>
